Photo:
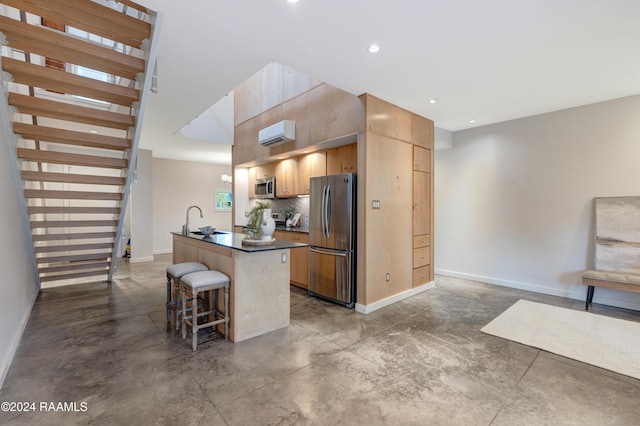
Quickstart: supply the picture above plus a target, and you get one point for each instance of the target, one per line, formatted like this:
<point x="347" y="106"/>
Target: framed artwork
<point x="224" y="200"/>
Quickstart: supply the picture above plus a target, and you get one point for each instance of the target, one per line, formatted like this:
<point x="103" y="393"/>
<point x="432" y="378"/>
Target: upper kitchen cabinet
<point x="386" y="119"/>
<point x="287" y="178"/>
<point x="422" y="131"/>
<point x="334" y="113"/>
<point x="310" y="165"/>
<point x="265" y="170"/>
<point x="421" y="159"/>
<point x="343" y="159"/>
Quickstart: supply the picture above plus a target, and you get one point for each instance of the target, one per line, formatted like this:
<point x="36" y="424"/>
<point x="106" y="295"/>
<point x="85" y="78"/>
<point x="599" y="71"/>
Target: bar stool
<point x="174" y="274"/>
<point x="198" y="282"/>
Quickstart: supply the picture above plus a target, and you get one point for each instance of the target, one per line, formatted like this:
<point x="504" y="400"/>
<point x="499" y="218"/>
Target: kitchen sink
<point x="214" y="232"/>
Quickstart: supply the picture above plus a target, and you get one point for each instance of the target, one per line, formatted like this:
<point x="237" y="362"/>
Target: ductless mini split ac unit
<point x="278" y="133"/>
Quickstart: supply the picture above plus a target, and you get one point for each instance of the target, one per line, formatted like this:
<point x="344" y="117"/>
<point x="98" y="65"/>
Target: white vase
<point x="268" y="225"/>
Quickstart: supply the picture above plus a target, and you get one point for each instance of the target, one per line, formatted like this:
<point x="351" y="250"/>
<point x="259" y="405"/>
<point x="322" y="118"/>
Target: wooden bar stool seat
<point x="174" y="274"/>
<point x="196" y="283"/>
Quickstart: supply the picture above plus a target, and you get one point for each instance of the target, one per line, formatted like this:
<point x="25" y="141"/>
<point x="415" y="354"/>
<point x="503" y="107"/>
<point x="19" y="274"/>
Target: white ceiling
<point x="491" y="60"/>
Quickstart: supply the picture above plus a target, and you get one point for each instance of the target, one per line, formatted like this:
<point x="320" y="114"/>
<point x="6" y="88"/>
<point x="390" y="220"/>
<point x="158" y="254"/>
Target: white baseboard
<point x="141" y="259"/>
<point x="367" y="309"/>
<point x="577" y="294"/>
<point x="163" y="251"/>
<point x="13" y="345"/>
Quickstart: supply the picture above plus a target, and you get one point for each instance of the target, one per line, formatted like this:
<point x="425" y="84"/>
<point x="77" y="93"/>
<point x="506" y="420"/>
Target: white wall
<point x="141" y="209"/>
<point x="18" y="284"/>
<point x="178" y="185"/>
<point x="513" y="201"/>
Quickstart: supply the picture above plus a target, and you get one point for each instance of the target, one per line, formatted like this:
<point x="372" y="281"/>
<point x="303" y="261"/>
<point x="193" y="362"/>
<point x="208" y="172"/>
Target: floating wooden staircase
<point x="76" y="78"/>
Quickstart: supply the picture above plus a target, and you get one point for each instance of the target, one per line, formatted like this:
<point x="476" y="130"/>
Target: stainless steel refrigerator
<point x="332" y="231"/>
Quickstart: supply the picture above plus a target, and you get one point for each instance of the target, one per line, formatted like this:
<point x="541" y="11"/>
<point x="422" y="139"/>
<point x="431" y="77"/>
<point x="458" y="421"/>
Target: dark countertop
<point x="234" y="241"/>
<point x="284" y="228"/>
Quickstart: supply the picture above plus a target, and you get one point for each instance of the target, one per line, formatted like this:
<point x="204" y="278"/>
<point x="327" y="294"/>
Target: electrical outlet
<point x="283" y="258"/>
<point x="375" y="204"/>
<point x="388" y="276"/>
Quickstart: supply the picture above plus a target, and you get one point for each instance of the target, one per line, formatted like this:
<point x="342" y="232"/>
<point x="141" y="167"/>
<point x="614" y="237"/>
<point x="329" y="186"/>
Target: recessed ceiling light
<point x="473" y="120"/>
<point x="374" y="48"/>
<point x="305" y="151"/>
<point x="433" y="100"/>
<point x="94" y="131"/>
<point x="292" y="1"/>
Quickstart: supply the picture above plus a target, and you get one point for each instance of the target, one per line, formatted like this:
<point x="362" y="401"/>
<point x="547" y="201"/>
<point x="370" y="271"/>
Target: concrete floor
<point x="421" y="361"/>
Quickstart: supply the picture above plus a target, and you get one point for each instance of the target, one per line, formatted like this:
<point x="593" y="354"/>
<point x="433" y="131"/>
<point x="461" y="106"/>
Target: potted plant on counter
<point x="260" y="225"/>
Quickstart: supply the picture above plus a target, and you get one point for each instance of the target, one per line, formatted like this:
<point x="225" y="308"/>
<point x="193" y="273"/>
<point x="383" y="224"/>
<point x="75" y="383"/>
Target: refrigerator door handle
<point x="324" y="190"/>
<point x="325" y="227"/>
<point x="329" y="216"/>
<point x="330" y="253"/>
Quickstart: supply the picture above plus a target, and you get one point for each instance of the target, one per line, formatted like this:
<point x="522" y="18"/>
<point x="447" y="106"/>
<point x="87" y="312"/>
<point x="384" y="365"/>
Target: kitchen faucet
<point x="185" y="227"/>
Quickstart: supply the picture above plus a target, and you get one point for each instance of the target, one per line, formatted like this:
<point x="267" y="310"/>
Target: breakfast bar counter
<point x="259" y="278"/>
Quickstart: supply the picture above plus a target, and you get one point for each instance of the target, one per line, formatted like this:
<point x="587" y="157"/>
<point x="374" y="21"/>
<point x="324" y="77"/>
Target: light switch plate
<point x="375" y="204"/>
<point x="283" y="258"/>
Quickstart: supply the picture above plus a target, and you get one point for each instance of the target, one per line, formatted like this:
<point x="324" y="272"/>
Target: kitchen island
<point x="259" y="275"/>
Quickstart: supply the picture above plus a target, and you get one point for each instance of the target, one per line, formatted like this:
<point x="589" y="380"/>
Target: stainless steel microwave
<point x="266" y="187"/>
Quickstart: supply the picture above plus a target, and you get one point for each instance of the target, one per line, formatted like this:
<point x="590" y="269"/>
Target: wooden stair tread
<point x="71" y="223"/>
<point x="73" y="247"/>
<point x="65" y="82"/>
<point x="55" y="157"/>
<point x="74" y="267"/>
<point x="65" y="111"/>
<point x="74" y="258"/>
<point x="72" y="210"/>
<point x="135" y="5"/>
<point x="91" y="17"/>
<point x="75" y="275"/>
<point x="63" y="47"/>
<point x="71" y="195"/>
<point x="70" y="137"/>
<point x="72" y="178"/>
<point x="76" y="236"/>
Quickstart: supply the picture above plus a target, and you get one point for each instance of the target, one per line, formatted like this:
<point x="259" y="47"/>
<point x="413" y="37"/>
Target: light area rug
<point x="605" y="342"/>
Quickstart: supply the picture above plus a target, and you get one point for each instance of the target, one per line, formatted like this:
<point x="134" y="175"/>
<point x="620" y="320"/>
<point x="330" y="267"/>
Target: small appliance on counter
<point x="278" y="218"/>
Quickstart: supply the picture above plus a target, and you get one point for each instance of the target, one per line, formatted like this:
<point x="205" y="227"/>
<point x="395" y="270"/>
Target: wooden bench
<point x="617" y="246"/>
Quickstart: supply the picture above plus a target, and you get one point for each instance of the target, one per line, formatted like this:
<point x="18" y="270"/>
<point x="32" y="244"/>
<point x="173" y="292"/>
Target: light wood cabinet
<point x="238" y="229"/>
<point x="287" y="178"/>
<point x="421" y="203"/>
<point x="343" y="159"/>
<point x="420" y="241"/>
<point x="310" y="165"/>
<point x="421" y="159"/>
<point x="299" y="258"/>
<point x="421" y="275"/>
<point x="265" y="170"/>
<point x="422" y="131"/>
<point x="333" y="113"/>
<point x="299" y="274"/>
<point x="421" y="257"/>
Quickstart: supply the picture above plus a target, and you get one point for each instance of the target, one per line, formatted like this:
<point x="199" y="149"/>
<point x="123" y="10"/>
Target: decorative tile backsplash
<point x="298" y="204"/>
